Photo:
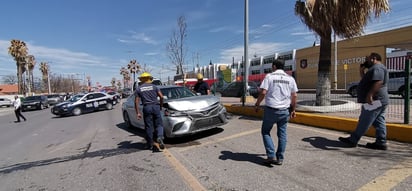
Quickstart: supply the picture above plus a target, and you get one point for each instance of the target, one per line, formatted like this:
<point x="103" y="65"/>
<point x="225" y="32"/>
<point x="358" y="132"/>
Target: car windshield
<point x="111" y="93"/>
<point x="31" y="98"/>
<point x="75" y="98"/>
<point x="177" y="92"/>
<point x="52" y="96"/>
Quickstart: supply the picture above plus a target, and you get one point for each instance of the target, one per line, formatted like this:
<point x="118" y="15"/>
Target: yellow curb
<point x="398" y="132"/>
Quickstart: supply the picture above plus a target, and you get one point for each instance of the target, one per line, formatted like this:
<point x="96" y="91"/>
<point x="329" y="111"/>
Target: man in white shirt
<point x="17" y="109"/>
<point x="280" y="92"/>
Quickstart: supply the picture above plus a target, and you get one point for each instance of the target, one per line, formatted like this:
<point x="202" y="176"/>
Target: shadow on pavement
<point x="324" y="143"/>
<point x="134" y="130"/>
<point x="124" y="147"/>
<point x="191" y="140"/>
<point x="253" y="158"/>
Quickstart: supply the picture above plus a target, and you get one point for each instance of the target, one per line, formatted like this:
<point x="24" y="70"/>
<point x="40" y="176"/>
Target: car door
<point x="132" y="112"/>
<point x="230" y="90"/>
<point x="90" y="102"/>
<point x="101" y="100"/>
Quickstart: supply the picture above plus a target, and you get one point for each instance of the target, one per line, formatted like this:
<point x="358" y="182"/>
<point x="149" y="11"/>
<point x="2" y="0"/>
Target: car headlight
<point x="173" y="113"/>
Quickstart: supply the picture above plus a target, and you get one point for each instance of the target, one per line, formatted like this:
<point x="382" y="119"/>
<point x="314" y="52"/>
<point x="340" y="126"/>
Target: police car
<point x="84" y="103"/>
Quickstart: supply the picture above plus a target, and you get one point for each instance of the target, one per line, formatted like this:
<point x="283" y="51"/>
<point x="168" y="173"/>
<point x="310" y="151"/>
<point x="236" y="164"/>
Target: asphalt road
<point x="96" y="152"/>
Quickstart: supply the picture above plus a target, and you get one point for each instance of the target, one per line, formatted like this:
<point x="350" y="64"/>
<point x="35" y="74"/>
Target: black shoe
<point x="161" y="144"/>
<point x="376" y="146"/>
<point x="148" y="146"/>
<point x="269" y="162"/>
<point x="278" y="162"/>
<point x="347" y="141"/>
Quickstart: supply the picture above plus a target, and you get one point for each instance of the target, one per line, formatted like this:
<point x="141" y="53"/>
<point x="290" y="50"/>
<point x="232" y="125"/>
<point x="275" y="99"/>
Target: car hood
<point x="62" y="103"/>
<point x="31" y="101"/>
<point x="192" y="103"/>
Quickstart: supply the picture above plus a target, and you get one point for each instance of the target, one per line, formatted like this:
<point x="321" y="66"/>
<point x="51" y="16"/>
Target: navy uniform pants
<point x="152" y="120"/>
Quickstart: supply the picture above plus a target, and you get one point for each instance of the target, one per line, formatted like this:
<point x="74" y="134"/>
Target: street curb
<point x="397" y="132"/>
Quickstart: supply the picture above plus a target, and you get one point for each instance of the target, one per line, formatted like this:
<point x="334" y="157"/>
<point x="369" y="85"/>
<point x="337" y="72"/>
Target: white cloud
<point x="220" y="29"/>
<point x="151" y="53"/>
<point x="260" y="49"/>
<point x="62" y="61"/>
<point x="135" y="37"/>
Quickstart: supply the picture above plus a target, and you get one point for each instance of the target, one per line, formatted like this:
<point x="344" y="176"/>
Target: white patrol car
<point x="84" y="103"/>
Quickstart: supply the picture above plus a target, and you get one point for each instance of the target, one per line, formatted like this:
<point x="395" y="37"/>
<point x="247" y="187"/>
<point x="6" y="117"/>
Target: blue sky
<point x="98" y="37"/>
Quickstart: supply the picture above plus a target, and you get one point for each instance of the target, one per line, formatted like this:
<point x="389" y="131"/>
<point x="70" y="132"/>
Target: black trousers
<point x="18" y="114"/>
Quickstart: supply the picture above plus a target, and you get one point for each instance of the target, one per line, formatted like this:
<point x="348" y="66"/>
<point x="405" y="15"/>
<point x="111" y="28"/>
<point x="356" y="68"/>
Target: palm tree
<point x="124" y="72"/>
<point x="134" y="68"/>
<point x="31" y="62"/>
<point x="18" y="50"/>
<point x="44" y="69"/>
<point x="119" y="85"/>
<point x="113" y="82"/>
<point x="346" y="19"/>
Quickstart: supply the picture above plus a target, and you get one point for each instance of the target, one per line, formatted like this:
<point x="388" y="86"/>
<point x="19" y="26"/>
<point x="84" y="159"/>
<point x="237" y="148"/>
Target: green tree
<point x="346" y="19"/>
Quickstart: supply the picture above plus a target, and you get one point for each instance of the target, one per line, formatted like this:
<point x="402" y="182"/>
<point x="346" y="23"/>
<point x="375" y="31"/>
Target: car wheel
<point x="353" y="92"/>
<point x="109" y="106"/>
<point x="127" y="120"/>
<point x="76" y="111"/>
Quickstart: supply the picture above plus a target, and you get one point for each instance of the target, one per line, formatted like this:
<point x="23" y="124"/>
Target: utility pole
<point x="246" y="35"/>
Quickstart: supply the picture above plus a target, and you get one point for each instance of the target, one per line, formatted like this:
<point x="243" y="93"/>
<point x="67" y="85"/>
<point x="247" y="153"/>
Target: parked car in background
<point x="37" y="102"/>
<point x="115" y="95"/>
<point x="54" y="99"/>
<point x="5" y="102"/>
<point x="126" y="92"/>
<point x="396" y="84"/>
<point x="236" y="89"/>
<point x="184" y="113"/>
<point x="84" y="103"/>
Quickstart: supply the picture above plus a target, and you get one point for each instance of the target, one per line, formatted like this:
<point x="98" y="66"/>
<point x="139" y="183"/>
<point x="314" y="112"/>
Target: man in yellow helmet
<point x="201" y="86"/>
<point x="147" y="93"/>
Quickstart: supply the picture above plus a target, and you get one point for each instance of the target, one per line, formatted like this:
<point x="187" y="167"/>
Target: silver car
<point x="184" y="112"/>
<point x="5" y="102"/>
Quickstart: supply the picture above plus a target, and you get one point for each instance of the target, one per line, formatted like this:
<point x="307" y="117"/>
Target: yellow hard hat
<point x="199" y="76"/>
<point x="145" y="75"/>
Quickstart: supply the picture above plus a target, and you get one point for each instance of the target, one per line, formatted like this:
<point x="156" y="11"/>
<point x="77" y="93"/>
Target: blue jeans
<point x="281" y="118"/>
<point x="366" y="119"/>
<point x="152" y="119"/>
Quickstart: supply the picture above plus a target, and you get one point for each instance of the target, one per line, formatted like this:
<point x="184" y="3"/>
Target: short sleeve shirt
<point x="279" y="86"/>
<point x="377" y="72"/>
<point x="148" y="93"/>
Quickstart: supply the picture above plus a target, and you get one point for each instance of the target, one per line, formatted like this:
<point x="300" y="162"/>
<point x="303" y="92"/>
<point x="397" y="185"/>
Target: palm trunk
<point x="324" y="69"/>
<point x="32" y="81"/>
<point x="19" y="78"/>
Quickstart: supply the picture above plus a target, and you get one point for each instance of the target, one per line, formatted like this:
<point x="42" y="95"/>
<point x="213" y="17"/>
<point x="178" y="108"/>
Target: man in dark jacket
<point x="201" y="86"/>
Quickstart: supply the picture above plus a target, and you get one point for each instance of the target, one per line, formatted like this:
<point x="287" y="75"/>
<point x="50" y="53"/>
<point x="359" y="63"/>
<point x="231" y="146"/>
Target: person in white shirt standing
<point x="17" y="109"/>
<point x="280" y="93"/>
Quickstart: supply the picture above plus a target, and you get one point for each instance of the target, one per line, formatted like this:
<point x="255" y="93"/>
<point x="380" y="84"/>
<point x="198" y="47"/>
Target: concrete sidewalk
<point x="398" y="132"/>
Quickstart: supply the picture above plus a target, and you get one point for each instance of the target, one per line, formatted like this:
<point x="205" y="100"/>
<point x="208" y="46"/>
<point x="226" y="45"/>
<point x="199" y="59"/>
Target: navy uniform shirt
<point x="201" y="88"/>
<point x="148" y="93"/>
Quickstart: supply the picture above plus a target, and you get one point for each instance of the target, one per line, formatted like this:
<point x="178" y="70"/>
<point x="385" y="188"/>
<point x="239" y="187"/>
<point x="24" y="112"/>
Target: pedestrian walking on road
<point x="148" y="94"/>
<point x="280" y="93"/>
<point x="373" y="94"/>
<point x="17" y="109"/>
